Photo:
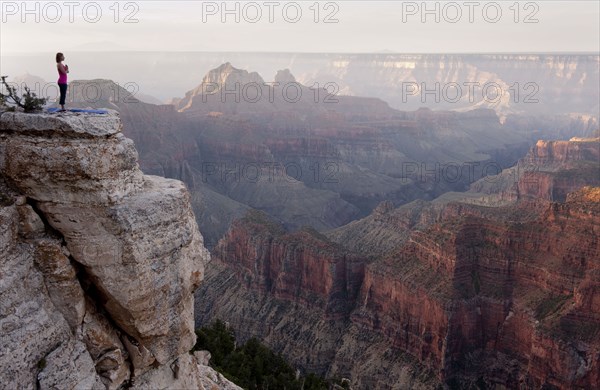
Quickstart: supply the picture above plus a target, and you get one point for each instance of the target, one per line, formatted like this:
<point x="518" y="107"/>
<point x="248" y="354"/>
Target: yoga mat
<point x="79" y="110"/>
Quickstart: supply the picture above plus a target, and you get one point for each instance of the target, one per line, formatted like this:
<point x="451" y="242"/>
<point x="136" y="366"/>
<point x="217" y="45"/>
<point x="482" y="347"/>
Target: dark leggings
<point x="63" y="93"/>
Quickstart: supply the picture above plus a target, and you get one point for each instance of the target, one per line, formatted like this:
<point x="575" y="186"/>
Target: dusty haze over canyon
<point x="509" y="83"/>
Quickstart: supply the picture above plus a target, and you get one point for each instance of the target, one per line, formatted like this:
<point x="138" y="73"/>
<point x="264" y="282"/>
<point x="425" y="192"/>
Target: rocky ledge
<point x="98" y="262"/>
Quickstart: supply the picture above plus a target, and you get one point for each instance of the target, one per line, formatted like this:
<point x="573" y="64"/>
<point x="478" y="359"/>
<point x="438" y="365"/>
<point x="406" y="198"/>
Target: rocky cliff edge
<point x="98" y="262"/>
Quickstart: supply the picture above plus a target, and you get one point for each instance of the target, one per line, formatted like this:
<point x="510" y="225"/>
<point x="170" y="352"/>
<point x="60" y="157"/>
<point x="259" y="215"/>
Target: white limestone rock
<point x="134" y="236"/>
<point x="69" y="367"/>
<point x="65" y="125"/>
<point x="146" y="257"/>
<point x="87" y="170"/>
<point x="31" y="326"/>
<point x="61" y="280"/>
<point x="105" y="347"/>
<point x="185" y="372"/>
<point x="30" y="224"/>
<point x="213" y="380"/>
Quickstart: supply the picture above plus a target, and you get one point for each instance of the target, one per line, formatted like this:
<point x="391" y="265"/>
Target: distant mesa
<point x="218" y="82"/>
<point x="236" y="92"/>
<point x="284" y="76"/>
<point x="228" y="74"/>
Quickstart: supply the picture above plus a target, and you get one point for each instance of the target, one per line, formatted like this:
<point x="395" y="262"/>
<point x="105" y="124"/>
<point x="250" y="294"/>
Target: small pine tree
<point x="29" y="102"/>
<point x="3" y="105"/>
<point x="252" y="365"/>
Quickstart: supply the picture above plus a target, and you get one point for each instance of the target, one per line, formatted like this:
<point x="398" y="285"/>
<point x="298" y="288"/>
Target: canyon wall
<point x="506" y="296"/>
<point x="472" y="289"/>
<point x="550" y="171"/>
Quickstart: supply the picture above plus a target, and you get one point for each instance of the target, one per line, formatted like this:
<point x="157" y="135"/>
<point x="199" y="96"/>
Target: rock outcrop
<point x="99" y="262"/>
<point x="550" y="171"/>
<point x="239" y="93"/>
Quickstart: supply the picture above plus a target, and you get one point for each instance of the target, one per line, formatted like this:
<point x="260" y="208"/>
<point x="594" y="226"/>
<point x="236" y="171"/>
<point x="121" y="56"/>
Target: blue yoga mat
<point x="79" y="110"/>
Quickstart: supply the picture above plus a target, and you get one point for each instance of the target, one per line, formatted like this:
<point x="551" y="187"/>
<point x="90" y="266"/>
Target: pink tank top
<point x="62" y="77"/>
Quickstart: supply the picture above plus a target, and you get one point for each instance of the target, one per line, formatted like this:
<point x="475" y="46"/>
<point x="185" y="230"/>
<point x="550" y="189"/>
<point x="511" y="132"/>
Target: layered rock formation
<point x="302" y="266"/>
<point x="99" y="262"/>
<point x="463" y="291"/>
<point x="550" y="171"/>
<point x="474" y="287"/>
<point x="293" y="283"/>
<point x="540" y="83"/>
<point x="237" y="92"/>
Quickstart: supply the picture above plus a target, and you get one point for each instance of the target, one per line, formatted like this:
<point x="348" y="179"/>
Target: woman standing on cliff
<point x="62" y="78"/>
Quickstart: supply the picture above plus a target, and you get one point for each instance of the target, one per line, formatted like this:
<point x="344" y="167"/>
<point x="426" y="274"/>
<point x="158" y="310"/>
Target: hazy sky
<point x="356" y="26"/>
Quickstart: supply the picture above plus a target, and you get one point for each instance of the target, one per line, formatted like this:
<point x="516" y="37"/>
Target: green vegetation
<point x="570" y="328"/>
<point x="252" y="365"/>
<point x="475" y="280"/>
<point x="5" y="200"/>
<point x="261" y="218"/>
<point x="550" y="305"/>
<point x="42" y="364"/>
<point x="316" y="234"/>
<point x="29" y="102"/>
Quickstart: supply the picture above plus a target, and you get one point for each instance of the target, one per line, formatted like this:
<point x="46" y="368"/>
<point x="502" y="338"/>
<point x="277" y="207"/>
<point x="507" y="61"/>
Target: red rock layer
<point x="502" y="296"/>
<point x="301" y="267"/>
<point x="527" y="289"/>
<point x="552" y="169"/>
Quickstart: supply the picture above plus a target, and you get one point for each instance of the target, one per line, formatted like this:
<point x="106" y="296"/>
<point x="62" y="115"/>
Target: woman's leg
<point x="63" y="94"/>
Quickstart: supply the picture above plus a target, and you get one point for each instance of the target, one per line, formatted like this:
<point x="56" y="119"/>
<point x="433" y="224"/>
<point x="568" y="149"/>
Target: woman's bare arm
<point x="62" y="69"/>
